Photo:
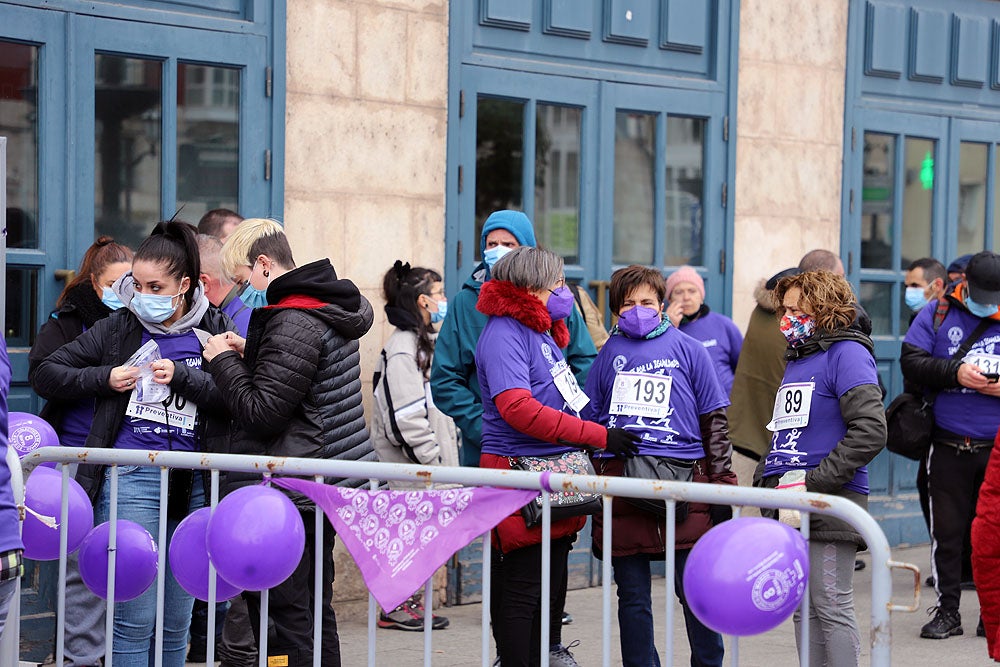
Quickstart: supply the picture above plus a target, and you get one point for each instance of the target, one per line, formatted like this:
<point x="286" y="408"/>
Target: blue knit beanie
<point x="515" y="222"/>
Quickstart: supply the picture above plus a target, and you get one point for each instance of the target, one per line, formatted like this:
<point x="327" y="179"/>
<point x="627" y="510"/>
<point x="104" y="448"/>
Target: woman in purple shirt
<point x="163" y="402"/>
<point x="828" y="423"/>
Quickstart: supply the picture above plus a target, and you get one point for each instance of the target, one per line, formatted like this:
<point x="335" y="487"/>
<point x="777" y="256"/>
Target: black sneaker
<point x="567" y="618"/>
<point x="946" y="623"/>
<point x="980" y="629"/>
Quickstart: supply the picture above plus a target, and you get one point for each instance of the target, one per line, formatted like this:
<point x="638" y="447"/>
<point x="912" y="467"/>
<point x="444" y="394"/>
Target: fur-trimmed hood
<point x="499" y="298"/>
<point x="765" y="297"/>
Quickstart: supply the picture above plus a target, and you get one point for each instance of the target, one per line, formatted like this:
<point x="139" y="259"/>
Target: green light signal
<point x="927" y="171"/>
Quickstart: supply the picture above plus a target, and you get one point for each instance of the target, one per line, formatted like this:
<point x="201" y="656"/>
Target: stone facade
<point x="789" y="137"/>
<point x="365" y="150"/>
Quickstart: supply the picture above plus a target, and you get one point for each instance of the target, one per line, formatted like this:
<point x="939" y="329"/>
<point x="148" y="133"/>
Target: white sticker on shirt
<point x="987" y="363"/>
<point x="641" y="395"/>
<point x="176" y="411"/>
<point x="791" y="406"/>
<point x="568" y="387"/>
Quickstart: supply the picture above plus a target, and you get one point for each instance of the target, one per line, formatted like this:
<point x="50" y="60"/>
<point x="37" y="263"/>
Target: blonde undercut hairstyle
<point x="241" y="247"/>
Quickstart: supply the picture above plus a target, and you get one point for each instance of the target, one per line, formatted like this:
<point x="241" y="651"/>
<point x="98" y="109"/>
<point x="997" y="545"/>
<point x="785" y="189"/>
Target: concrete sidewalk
<point x="460" y="643"/>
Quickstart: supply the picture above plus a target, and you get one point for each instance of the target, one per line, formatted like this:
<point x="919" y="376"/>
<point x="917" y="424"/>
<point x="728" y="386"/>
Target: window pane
<point x="685" y="190"/>
<point x="635" y="160"/>
<point x="971" y="197"/>
<point x="127" y="143"/>
<point x="208" y="139"/>
<point x="499" y="158"/>
<point x="21" y="307"/>
<point x="918" y="200"/>
<point x="876" y="298"/>
<point x="19" y="123"/>
<point x="878" y="184"/>
<point x="557" y="179"/>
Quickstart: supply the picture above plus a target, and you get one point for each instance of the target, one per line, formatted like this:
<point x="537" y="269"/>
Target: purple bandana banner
<point x="400" y="538"/>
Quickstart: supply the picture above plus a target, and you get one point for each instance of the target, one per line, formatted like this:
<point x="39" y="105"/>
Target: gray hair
<point x="529" y="268"/>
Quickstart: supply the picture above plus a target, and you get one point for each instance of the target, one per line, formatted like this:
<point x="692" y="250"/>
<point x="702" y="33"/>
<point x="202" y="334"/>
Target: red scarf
<point x="499" y="298"/>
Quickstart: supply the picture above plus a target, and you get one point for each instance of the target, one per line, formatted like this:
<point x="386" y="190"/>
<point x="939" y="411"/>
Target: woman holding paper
<point x="142" y="363"/>
<point x="828" y="423"/>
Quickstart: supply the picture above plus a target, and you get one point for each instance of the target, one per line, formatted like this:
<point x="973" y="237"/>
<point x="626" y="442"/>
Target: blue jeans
<point x="135" y="620"/>
<point x="635" y="615"/>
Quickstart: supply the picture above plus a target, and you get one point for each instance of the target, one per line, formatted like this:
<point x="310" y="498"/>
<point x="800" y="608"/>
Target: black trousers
<point x="925" y="508"/>
<point x="290" y="605"/>
<point x="516" y="601"/>
<point x="953" y="480"/>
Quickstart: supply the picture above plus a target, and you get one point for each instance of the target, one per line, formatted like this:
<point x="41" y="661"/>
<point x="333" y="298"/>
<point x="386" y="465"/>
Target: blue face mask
<point x="253" y="297"/>
<point x="441" y="312"/>
<point x="154" y="307"/>
<point x="492" y="255"/>
<point x="915" y="299"/>
<point x="110" y="299"/>
<point x="979" y="309"/>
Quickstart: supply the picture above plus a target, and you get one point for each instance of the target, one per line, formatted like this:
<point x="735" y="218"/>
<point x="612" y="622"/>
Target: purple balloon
<point x="256" y="538"/>
<point x="135" y="560"/>
<point x="188" y="555"/>
<point x="746" y="576"/>
<point x="43" y="495"/>
<point x="28" y="432"/>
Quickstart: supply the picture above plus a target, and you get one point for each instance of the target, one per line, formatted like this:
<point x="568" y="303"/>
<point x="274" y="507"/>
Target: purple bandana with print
<point x="400" y="538"/>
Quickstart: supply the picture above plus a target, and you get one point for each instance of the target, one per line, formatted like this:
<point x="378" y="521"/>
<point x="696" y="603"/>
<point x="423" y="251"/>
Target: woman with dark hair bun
<point x="406" y="425"/>
<point x="159" y="400"/>
<point x="85" y="300"/>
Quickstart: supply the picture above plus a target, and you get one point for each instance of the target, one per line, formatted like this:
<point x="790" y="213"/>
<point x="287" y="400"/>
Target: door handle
<point x="65" y="275"/>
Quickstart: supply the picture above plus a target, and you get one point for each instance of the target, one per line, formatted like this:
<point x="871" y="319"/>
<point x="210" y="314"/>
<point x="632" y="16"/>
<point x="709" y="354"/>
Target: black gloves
<point x="622" y="444"/>
<point x="720" y="513"/>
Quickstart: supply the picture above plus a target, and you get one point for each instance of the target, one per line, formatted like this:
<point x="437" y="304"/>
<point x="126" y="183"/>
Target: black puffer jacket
<point x="297" y="389"/>
<point x="81" y="369"/>
<point x="80" y="310"/>
<point x="862" y="410"/>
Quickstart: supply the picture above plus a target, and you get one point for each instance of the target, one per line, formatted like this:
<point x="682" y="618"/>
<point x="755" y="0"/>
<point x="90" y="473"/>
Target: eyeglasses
<point x="437" y="292"/>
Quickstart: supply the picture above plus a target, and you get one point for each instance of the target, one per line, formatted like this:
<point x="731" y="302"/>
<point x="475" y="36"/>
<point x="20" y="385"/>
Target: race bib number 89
<point x="641" y="395"/>
<point x="791" y="406"/>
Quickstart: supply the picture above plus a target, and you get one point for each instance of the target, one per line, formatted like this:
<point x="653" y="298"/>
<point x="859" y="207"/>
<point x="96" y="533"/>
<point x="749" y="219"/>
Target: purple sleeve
<point x="502" y="358"/>
<point x="852" y="367"/>
<point x="705" y="381"/>
<point x="921" y="332"/>
<point x="735" y="343"/>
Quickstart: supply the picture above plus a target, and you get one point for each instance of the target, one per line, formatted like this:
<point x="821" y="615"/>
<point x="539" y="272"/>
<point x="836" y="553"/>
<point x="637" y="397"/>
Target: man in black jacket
<point x="294" y="389"/>
<point x="958" y="361"/>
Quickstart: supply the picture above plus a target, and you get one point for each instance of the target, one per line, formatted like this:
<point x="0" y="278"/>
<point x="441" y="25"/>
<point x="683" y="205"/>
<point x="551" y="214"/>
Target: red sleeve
<point x="523" y="412"/>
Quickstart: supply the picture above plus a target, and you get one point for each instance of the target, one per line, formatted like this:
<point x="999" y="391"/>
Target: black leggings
<point x="516" y="601"/>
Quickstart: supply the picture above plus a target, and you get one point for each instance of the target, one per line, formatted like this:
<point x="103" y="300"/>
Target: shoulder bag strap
<point x="392" y="412"/>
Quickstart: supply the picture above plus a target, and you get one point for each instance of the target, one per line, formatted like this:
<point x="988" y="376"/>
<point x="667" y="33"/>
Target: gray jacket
<point x="406" y="426"/>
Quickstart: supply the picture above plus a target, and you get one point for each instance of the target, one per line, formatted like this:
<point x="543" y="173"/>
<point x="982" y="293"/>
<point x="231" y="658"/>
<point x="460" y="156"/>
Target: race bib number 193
<point x="641" y="395"/>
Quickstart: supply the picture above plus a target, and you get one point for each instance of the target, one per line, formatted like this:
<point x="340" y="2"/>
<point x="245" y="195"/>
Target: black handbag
<point x="565" y="504"/>
<point x="663" y="468"/>
<point x="909" y="422"/>
<point x="909" y="419"/>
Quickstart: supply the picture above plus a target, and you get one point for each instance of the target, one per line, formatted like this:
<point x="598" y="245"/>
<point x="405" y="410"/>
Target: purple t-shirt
<point x="723" y="341"/>
<point x="639" y="366"/>
<point x="239" y="312"/>
<point x="509" y="355"/>
<point x="960" y="410"/>
<point x="813" y="385"/>
<point x="140" y="433"/>
<point x="76" y="421"/>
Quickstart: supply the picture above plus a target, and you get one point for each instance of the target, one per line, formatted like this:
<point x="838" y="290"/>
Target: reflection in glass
<point x="499" y="158"/>
<point x="21" y="306"/>
<point x="918" y="200"/>
<point x="876" y="298"/>
<point x="877" y="189"/>
<point x="685" y="190"/>
<point x="635" y="160"/>
<point x="128" y="150"/>
<point x="971" y="197"/>
<point x="208" y="139"/>
<point x="557" y="179"/>
<point x="19" y="123"/>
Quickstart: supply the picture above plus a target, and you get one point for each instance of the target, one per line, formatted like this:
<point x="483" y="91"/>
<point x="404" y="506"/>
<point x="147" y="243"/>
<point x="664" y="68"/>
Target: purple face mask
<point x="560" y="303"/>
<point x="639" y="322"/>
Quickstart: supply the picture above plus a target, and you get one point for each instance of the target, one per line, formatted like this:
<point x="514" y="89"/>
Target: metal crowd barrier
<point x="671" y="492"/>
